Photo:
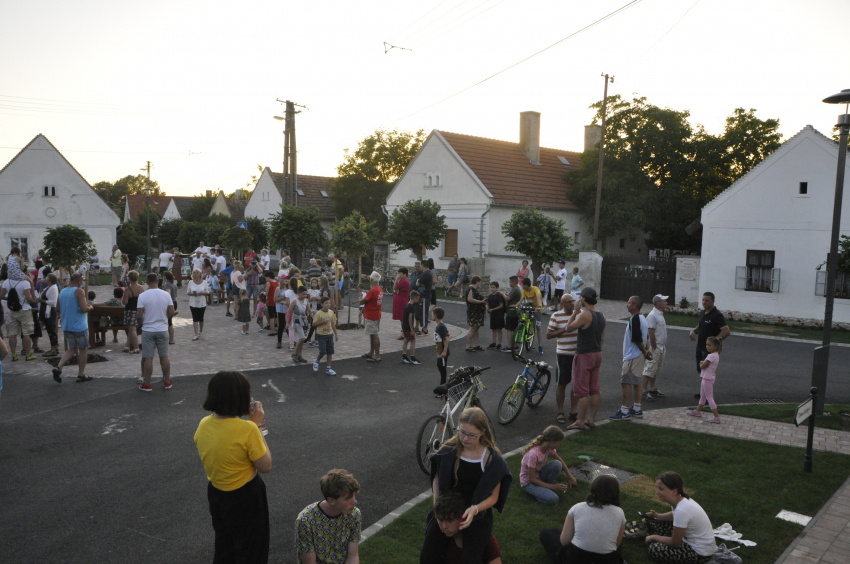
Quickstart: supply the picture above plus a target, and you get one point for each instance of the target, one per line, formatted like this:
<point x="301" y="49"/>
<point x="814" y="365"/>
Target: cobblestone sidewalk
<point x="222" y="346"/>
<point x="827" y="536"/>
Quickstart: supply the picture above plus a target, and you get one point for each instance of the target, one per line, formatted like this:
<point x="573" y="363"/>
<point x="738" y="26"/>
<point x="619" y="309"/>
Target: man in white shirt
<point x="198" y="261"/>
<point x="155" y="307"/>
<point x="265" y="259"/>
<point x="658" y="345"/>
<point x="164" y="258"/>
<point x="220" y="262"/>
<point x="204" y="250"/>
<point x="560" y="283"/>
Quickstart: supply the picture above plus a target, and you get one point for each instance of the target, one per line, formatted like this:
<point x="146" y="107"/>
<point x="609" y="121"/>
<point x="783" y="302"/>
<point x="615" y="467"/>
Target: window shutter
<point x="774" y="279"/>
<point x="820" y="283"/>
<point x="740" y="277"/>
<point x="451" y="242"/>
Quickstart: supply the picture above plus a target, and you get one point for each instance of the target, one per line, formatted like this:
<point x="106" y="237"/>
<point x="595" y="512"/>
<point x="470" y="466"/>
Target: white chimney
<point x="592" y="136"/>
<point x="529" y="136"/>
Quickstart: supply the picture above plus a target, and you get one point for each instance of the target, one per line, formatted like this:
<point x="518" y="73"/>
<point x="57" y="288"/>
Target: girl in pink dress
<point x="401" y="291"/>
<point x="708" y="374"/>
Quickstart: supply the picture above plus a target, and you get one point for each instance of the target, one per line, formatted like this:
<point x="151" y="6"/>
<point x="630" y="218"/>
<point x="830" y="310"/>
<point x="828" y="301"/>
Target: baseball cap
<point x="658" y="297"/>
<point x="562" y="261"/>
<point x="588" y="292"/>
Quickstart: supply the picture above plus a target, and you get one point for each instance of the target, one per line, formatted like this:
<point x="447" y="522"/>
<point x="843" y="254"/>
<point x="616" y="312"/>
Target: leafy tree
<point x="192" y="233"/>
<point x="296" y="229"/>
<point x="353" y="236"/>
<point x="141" y="222"/>
<point x="68" y="245"/>
<point x="237" y="239"/>
<point x="748" y="141"/>
<point x="131" y="241"/>
<point x="200" y="208"/>
<point x="115" y="193"/>
<point x="258" y="228"/>
<point x="538" y="236"/>
<point x="416" y="225"/>
<point x="168" y="233"/>
<point x="350" y="193"/>
<point x="216" y="225"/>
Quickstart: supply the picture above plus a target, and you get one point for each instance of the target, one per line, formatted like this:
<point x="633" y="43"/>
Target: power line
<point x="665" y="34"/>
<point x="432" y="22"/>
<point x="597" y="22"/>
<point x="70" y="102"/>
<point x="419" y="18"/>
<point x="425" y="39"/>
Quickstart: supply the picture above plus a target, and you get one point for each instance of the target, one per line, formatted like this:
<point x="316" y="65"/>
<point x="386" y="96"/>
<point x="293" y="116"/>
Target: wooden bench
<point x="96" y="329"/>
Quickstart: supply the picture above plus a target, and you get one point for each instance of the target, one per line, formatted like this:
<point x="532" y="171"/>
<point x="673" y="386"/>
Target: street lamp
<point x="148" y="216"/>
<point x="821" y="361"/>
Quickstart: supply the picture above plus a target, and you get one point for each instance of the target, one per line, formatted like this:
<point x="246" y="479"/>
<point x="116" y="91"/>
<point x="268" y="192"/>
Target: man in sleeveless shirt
<point x="590" y="324"/>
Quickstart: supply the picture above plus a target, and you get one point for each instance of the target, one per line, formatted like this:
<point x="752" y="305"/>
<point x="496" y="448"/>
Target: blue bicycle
<point x="530" y="387"/>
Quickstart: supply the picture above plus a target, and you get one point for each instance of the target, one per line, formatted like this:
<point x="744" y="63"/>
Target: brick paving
<point x="222" y="346"/>
<point x="826" y="539"/>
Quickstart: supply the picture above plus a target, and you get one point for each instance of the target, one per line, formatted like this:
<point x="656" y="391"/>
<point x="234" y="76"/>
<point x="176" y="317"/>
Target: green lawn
<point x="784" y="412"/>
<point x="811" y="334"/>
<point x="744" y="483"/>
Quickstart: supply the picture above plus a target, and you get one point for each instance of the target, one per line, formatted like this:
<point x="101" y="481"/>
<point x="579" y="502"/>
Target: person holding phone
<point x="198" y="291"/>
<point x="684" y="534"/>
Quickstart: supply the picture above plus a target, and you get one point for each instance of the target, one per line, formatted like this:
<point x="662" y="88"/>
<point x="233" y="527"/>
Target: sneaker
<point x="57" y="375"/>
<point x="228" y="314"/>
<point x="636" y="414"/>
<point x="261" y="330"/>
<point x="278" y="346"/>
<point x="647" y="397"/>
<point x="549" y="309"/>
<point x="294" y="357"/>
<point x="316" y="366"/>
<point x="14" y="357"/>
<point x="492" y="346"/>
<point x="292" y="347"/>
<point x="30" y="356"/>
<point x="620" y="416"/>
<point x="695" y="413"/>
<point x="656" y="393"/>
<point x="507" y="349"/>
<point x="273" y="334"/>
<point x="413" y="360"/>
<point x="195" y="338"/>
<point x="539" y="350"/>
<point x="168" y="385"/>
<point x="713" y="420"/>
<point x="145" y="388"/>
<point x="330" y="372"/>
<point x="404" y="359"/>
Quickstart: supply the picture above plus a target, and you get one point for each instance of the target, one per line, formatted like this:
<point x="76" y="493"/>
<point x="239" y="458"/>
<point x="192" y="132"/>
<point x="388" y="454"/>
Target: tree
<point x="237" y="239"/>
<point x="115" y="193"/>
<point x="258" y="228"/>
<point x="353" y="236"/>
<point x="296" y="229"/>
<point x="192" y="233"/>
<point x="416" y="225"/>
<point x="366" y="176"/>
<point x="660" y="171"/>
<point x="168" y="233"/>
<point x="68" y="245"/>
<point x="131" y="241"/>
<point x="200" y="208"/>
<point x="537" y="236"/>
<point x="216" y="224"/>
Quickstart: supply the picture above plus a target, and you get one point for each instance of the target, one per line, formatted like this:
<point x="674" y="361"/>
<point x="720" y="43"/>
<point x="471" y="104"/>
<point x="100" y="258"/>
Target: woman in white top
<point x="198" y="291"/>
<point x="593" y="530"/>
<point x="684" y="534"/>
<point x="265" y="260"/>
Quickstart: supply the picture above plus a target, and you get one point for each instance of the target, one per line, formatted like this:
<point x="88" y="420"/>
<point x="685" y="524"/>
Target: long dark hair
<point x="605" y="490"/>
<point x="673" y="481"/>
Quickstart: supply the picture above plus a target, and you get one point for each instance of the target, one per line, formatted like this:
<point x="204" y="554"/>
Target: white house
<point x="479" y="183"/>
<point x="230" y="207"/>
<point x="765" y="235"/>
<point x="39" y="189"/>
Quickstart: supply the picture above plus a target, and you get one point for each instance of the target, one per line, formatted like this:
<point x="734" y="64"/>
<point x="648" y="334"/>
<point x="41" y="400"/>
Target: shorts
<point x="271" y="312"/>
<point x="511" y="322"/>
<point x="497" y="321"/>
<point x="339" y="285"/>
<point x="633" y="371"/>
<point x="558" y="294"/>
<point x="154" y="340"/>
<point x="586" y="374"/>
<point x="373" y="326"/>
<point x="452" y="278"/>
<point x="253" y="292"/>
<point x="564" y="373"/>
<point x="116" y="271"/>
<point x="77" y="339"/>
<point x="129" y="318"/>
<point x="197" y="314"/>
<point x="214" y="283"/>
<point x="20" y="322"/>
<point x="233" y="292"/>
<point x="298" y="331"/>
<point x="653" y="367"/>
<point x="408" y="335"/>
<point x="326" y="344"/>
<point x="538" y="318"/>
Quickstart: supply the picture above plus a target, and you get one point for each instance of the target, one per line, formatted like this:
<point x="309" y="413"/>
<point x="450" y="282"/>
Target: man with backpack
<point x="19" y="295"/>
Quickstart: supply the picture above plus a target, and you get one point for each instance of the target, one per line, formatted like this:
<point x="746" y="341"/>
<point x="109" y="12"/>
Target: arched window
<point x="45" y="191"/>
<point x="437" y="174"/>
<point x="53" y="190"/>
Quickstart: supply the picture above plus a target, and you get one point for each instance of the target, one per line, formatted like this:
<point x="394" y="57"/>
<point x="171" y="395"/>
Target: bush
<point x="684" y="303"/>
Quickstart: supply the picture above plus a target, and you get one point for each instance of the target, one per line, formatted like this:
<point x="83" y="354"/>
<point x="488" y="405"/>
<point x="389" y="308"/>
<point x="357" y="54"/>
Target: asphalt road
<point x="102" y="473"/>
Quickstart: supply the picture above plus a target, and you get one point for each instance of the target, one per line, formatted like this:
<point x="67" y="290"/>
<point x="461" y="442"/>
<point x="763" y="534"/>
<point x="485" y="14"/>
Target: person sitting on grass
<point x="328" y="531"/>
<point x="593" y="530"/>
<point x="538" y="477"/>
<point x="407" y="324"/>
<point x="448" y="511"/>
<point x="684" y="534"/>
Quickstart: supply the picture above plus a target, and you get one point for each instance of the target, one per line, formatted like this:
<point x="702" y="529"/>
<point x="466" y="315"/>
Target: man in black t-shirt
<point x="711" y="324"/>
<point x="425" y="284"/>
<point x="513" y="297"/>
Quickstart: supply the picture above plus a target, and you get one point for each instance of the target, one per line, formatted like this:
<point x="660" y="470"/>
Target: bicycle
<point x="388" y="281"/>
<point x="138" y="264"/>
<point x="462" y="389"/>
<point x="524" y="334"/>
<point x="530" y="387"/>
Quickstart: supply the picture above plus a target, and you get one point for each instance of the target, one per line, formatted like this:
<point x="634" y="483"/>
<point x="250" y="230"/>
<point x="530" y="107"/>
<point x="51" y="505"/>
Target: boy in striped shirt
<point x="565" y="351"/>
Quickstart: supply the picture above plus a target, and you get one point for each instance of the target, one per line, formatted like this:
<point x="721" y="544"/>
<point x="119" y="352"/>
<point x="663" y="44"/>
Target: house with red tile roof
<point x="135" y="203"/>
<point x="479" y="183"/>
<point x="230" y="207"/>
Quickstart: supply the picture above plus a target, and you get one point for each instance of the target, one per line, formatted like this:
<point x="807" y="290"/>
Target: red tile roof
<point x="506" y="172"/>
<point x="137" y="204"/>
<point x="236" y="208"/>
<point x="312" y="186"/>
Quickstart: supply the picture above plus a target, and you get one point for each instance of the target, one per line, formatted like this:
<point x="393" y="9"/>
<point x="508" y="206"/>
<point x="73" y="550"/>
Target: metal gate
<point x="624" y="277"/>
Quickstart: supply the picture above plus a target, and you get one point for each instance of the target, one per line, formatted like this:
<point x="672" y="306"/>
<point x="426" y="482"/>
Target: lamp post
<point x="821" y="360"/>
<point x="148" y="217"/>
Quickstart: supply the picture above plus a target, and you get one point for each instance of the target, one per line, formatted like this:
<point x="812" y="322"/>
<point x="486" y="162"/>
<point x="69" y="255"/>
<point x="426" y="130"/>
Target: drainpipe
<point x="481" y="234"/>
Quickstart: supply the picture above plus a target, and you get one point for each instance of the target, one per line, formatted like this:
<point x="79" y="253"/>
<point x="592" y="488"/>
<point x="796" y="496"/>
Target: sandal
<point x="587" y="423"/>
<point x="576" y="427"/>
<point x="371" y="359"/>
<point x="635" y="530"/>
<point x="560" y="418"/>
<point x="366" y="356"/>
<point x="137" y="351"/>
<point x="84" y="378"/>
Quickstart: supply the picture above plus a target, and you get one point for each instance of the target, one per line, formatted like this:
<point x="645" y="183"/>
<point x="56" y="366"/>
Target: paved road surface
<point x="99" y="472"/>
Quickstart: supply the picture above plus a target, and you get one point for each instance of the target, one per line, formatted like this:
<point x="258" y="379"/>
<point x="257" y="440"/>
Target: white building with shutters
<point x="765" y="236"/>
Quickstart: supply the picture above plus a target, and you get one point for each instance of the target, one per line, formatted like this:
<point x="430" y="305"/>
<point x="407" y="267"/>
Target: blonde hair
<point x="476" y="417"/>
<point x="133" y="276"/>
<point x="198" y="270"/>
<point x="551" y="434"/>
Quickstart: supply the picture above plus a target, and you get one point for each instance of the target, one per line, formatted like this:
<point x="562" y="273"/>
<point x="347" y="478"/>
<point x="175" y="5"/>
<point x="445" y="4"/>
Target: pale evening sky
<point x="114" y="84"/>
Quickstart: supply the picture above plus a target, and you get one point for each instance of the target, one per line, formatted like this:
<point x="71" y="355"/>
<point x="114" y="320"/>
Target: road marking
<point x="145" y="534"/>
<point x="282" y="397"/>
<point x="117" y="425"/>
<point x="178" y="403"/>
<point x="351" y="377"/>
<point x="793" y="517"/>
<point x="393" y="391"/>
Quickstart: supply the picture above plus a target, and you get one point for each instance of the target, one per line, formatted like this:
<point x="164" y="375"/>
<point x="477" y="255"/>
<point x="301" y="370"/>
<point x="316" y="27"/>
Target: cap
<point x="658" y="298"/>
<point x="562" y="261"/>
<point x="588" y="292"/>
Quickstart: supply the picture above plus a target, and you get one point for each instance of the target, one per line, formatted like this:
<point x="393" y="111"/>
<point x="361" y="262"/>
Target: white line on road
<point x="351" y="377"/>
<point x="117" y="425"/>
<point x="282" y="397"/>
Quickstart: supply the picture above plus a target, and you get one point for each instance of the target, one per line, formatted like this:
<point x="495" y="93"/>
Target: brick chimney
<point x="529" y="136"/>
<point x="592" y="136"/>
<point x="209" y="193"/>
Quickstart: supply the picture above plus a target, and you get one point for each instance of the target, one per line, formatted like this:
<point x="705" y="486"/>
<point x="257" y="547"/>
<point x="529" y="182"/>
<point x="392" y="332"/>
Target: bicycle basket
<point x="456" y="392"/>
<point x="461" y="373"/>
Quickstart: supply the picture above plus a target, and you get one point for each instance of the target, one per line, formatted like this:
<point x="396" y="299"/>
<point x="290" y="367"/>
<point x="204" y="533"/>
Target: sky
<point x="192" y="86"/>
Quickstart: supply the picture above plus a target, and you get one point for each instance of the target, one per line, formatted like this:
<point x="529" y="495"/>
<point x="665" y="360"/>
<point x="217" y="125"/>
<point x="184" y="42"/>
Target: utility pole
<point x="148" y="212"/>
<point x="596" y="241"/>
<point x="290" y="154"/>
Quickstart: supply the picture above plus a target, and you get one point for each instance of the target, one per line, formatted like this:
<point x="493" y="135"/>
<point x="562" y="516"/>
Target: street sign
<point x="804" y="411"/>
<point x="242" y="224"/>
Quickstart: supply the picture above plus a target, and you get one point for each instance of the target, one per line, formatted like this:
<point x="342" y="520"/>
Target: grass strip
<point x="784" y="413"/>
<point x="744" y="483"/>
<point x="811" y="334"/>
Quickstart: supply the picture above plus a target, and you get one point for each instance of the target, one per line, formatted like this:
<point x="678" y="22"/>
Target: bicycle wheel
<point x="519" y="342"/>
<point x="432" y="435"/>
<point x="511" y="403"/>
<point x="539" y="388"/>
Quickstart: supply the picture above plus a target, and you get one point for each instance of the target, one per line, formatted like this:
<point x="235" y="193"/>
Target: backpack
<point x="13" y="300"/>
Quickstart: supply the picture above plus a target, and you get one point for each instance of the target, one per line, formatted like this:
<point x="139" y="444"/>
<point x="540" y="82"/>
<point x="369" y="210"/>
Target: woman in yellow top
<point x="233" y="450"/>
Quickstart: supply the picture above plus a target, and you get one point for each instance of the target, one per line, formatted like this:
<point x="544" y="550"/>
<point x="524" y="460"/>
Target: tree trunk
<point x="536" y="269"/>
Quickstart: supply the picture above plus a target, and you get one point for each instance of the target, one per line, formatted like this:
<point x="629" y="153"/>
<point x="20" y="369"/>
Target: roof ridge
<point x="516" y="143"/>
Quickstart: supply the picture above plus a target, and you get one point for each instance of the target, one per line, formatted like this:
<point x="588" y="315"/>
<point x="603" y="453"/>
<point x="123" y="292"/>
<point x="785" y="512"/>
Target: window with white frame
<point x="759" y="274"/>
<point x="842" y="283"/>
<point x="23" y="244"/>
